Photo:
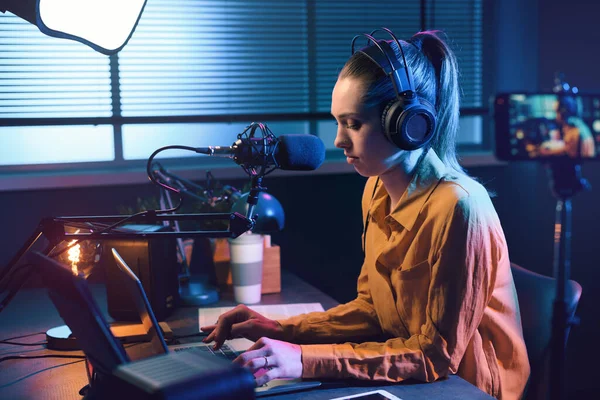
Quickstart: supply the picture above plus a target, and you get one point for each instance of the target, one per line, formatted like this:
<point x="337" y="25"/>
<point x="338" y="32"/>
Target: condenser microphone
<point x="297" y="152"/>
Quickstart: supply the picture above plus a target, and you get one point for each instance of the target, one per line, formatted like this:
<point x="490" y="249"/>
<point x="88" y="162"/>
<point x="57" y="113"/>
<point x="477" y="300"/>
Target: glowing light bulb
<point x="74" y="254"/>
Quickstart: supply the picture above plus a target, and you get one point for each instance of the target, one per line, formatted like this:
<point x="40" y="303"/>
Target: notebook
<point x="209" y="316"/>
<point x="230" y="350"/>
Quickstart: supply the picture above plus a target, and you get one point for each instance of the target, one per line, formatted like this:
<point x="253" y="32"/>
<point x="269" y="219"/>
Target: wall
<point x="569" y="43"/>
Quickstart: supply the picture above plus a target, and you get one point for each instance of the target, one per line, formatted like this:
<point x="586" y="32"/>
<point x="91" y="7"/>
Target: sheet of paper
<point x="209" y="316"/>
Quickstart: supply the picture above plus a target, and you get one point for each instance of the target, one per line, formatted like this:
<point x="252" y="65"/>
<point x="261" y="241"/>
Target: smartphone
<point x="547" y="126"/>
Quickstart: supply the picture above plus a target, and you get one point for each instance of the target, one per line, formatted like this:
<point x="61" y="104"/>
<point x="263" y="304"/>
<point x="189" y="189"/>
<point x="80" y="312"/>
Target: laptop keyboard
<point x="225" y="351"/>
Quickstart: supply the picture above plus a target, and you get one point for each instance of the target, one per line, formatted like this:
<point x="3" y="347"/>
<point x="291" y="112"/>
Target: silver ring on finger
<point x="266" y="362"/>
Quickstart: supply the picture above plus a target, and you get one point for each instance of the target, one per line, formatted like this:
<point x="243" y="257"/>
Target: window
<point x="196" y="73"/>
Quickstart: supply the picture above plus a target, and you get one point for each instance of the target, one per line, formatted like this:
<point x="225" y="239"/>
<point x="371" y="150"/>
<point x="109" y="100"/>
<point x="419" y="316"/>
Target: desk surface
<point x="31" y="311"/>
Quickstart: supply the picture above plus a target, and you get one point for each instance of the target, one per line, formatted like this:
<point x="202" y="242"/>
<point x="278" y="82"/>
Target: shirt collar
<point x="428" y="174"/>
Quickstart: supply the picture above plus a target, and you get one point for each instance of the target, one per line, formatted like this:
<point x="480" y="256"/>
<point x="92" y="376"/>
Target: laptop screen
<point x="142" y="305"/>
<point x="76" y="305"/>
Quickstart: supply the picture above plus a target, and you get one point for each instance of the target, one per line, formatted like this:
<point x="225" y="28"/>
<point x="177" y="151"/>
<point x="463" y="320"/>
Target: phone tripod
<point x="566" y="181"/>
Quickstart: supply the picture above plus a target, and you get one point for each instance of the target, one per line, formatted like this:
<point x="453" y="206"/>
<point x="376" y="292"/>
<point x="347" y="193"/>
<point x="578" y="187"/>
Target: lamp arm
<point x="53" y="228"/>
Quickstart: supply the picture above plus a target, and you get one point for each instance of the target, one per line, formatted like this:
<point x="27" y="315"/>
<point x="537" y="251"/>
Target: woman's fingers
<point x="260" y="364"/>
<point x="222" y="329"/>
<point x="271" y="374"/>
<point x="250" y="329"/>
<point x="218" y="335"/>
<point x="257" y="350"/>
<point x="268" y="359"/>
<point x="241" y="322"/>
<point x="208" y="328"/>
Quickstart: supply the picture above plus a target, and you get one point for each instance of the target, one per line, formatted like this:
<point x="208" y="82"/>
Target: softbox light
<point x="104" y="25"/>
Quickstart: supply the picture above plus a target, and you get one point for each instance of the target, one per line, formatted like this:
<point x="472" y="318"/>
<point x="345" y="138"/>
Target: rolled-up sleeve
<point x="462" y="262"/>
<point x="352" y="321"/>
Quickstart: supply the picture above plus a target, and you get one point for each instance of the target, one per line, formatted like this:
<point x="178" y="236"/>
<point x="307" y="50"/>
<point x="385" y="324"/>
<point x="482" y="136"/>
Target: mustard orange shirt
<point x="435" y="293"/>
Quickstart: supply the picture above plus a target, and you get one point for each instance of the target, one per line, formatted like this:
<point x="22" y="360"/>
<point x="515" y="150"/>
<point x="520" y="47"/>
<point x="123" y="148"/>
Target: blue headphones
<point x="407" y="121"/>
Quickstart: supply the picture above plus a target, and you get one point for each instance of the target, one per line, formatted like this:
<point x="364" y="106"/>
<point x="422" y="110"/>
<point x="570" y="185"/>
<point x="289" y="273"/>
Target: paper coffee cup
<point x="246" y="252"/>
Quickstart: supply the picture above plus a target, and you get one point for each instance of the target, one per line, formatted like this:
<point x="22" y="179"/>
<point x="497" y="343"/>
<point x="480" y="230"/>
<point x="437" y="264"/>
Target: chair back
<point x="536" y="294"/>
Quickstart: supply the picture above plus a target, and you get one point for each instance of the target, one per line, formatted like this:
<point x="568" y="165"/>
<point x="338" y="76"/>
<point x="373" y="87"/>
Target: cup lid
<point x="247" y="238"/>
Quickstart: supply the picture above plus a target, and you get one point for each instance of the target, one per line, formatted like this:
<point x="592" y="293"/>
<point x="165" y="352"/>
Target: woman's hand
<point x="241" y="322"/>
<point x="271" y="359"/>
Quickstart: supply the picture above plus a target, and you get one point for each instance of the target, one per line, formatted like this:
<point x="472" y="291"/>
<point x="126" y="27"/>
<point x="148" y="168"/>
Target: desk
<point x="61" y="378"/>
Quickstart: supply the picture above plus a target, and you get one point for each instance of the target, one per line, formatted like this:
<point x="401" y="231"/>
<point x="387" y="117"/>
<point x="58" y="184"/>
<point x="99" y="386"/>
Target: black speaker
<point x="154" y="261"/>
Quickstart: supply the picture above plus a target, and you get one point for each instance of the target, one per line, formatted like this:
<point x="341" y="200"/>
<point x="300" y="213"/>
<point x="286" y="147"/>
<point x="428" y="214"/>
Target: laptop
<point x="230" y="349"/>
<point x="76" y="305"/>
<point x="160" y="376"/>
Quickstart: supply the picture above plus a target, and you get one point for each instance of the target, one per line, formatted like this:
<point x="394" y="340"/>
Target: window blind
<point x="462" y="21"/>
<point x="203" y="59"/>
<point x="45" y="77"/>
<point x="337" y="22"/>
<point x="214" y="58"/>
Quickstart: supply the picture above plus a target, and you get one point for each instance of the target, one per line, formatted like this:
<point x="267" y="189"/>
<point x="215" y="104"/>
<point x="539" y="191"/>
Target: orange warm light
<point x="74" y="254"/>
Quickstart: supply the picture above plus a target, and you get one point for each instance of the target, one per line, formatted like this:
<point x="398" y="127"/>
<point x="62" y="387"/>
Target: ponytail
<point x="447" y="94"/>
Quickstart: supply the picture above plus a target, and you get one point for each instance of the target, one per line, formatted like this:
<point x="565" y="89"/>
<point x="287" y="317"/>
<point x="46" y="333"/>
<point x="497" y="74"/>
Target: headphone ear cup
<point x="409" y="125"/>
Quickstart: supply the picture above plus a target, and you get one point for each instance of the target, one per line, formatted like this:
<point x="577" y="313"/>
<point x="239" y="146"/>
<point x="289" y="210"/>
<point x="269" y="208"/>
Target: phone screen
<point x="543" y="126"/>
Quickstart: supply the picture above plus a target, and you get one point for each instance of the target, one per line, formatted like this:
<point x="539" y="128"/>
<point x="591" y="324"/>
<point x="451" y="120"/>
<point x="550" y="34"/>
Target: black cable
<point x="46" y="342"/>
<point x="5" y="274"/>
<point x="20" y="357"/>
<point x="146" y="212"/>
<point x="22" y="344"/>
<point x="120" y="222"/>
<point x="23" y="336"/>
<point x="91" y="226"/>
<point x="153" y="179"/>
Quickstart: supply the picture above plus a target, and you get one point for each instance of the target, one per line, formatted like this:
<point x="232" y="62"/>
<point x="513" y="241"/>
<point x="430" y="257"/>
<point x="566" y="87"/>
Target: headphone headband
<point x="407" y="121"/>
<point x="398" y="73"/>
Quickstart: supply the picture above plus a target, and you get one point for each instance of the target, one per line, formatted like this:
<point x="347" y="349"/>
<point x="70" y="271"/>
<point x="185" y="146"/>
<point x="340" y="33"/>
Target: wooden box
<point x="271" y="280"/>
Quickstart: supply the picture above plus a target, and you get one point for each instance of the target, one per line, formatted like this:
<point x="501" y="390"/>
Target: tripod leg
<point x="560" y="317"/>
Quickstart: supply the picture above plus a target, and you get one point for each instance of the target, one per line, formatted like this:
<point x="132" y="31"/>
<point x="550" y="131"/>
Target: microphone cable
<point x="164" y="185"/>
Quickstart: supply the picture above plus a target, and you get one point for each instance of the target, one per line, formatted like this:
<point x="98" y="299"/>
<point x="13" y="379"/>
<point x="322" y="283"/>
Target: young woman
<point x="435" y="293"/>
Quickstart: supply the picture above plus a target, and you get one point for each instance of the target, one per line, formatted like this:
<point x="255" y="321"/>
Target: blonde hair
<point x="435" y="76"/>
